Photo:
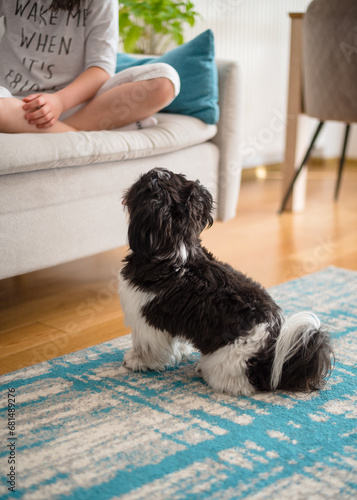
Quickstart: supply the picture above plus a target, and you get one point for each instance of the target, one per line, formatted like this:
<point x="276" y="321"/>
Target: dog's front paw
<point x="134" y="362"/>
<point x="185" y="348"/>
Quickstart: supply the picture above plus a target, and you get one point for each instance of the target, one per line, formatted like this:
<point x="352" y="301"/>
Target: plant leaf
<point x="131" y="38"/>
<point x="151" y="19"/>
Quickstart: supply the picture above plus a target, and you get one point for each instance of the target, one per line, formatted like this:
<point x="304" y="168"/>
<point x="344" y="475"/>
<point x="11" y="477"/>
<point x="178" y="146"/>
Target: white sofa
<point x="60" y="194"/>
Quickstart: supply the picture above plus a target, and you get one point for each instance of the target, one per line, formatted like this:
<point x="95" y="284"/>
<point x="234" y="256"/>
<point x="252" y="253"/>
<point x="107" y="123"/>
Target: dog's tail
<point x="302" y="354"/>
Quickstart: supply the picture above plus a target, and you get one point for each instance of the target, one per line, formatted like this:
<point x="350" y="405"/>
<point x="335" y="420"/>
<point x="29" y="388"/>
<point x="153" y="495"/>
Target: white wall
<point x="256" y="33"/>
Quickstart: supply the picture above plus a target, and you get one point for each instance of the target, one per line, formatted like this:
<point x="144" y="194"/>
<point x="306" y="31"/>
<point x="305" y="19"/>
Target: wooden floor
<point x="49" y="313"/>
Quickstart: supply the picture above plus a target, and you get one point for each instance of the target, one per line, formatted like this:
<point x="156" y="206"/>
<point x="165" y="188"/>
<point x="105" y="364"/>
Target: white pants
<point x="134" y="74"/>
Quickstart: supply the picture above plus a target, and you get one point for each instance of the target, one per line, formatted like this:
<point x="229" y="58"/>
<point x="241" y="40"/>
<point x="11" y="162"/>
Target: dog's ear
<point x="200" y="206"/>
<point x="150" y="226"/>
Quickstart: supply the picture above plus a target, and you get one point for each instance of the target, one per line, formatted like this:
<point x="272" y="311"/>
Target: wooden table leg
<point x="297" y="124"/>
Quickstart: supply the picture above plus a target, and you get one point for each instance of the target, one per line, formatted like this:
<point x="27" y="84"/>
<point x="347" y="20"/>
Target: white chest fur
<point x="132" y="300"/>
<point x="153" y="349"/>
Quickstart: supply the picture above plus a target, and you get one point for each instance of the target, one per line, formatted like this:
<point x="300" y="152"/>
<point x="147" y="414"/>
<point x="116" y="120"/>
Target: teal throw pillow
<point x="194" y="62"/>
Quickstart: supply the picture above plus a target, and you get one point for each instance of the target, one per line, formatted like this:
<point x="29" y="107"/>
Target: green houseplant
<point x="149" y="26"/>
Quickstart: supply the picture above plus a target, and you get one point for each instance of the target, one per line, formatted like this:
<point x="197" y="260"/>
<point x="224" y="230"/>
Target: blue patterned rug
<point x="87" y="429"/>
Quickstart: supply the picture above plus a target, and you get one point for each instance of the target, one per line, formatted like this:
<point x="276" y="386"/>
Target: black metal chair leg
<point x="290" y="188"/>
<point x="342" y="161"/>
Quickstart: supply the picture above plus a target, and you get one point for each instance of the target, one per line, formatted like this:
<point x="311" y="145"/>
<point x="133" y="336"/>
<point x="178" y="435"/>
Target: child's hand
<point x="42" y="110"/>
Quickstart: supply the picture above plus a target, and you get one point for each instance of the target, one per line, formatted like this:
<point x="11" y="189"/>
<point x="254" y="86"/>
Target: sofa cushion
<point x="28" y="152"/>
<point x="194" y="62"/>
<point x="52" y="216"/>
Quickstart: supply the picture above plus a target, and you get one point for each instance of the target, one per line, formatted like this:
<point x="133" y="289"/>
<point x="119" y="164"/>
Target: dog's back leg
<point x="225" y="371"/>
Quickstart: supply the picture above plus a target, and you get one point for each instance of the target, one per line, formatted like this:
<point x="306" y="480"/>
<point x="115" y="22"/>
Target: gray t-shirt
<point x="43" y="52"/>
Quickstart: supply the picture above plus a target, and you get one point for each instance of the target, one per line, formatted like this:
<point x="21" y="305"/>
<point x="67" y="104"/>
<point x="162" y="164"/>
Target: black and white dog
<point x="175" y="294"/>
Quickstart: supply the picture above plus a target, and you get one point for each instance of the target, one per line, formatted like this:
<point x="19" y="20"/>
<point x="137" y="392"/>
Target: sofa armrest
<point x="227" y="139"/>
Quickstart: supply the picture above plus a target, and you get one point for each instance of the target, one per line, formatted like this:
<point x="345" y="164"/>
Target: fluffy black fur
<point x="197" y="297"/>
